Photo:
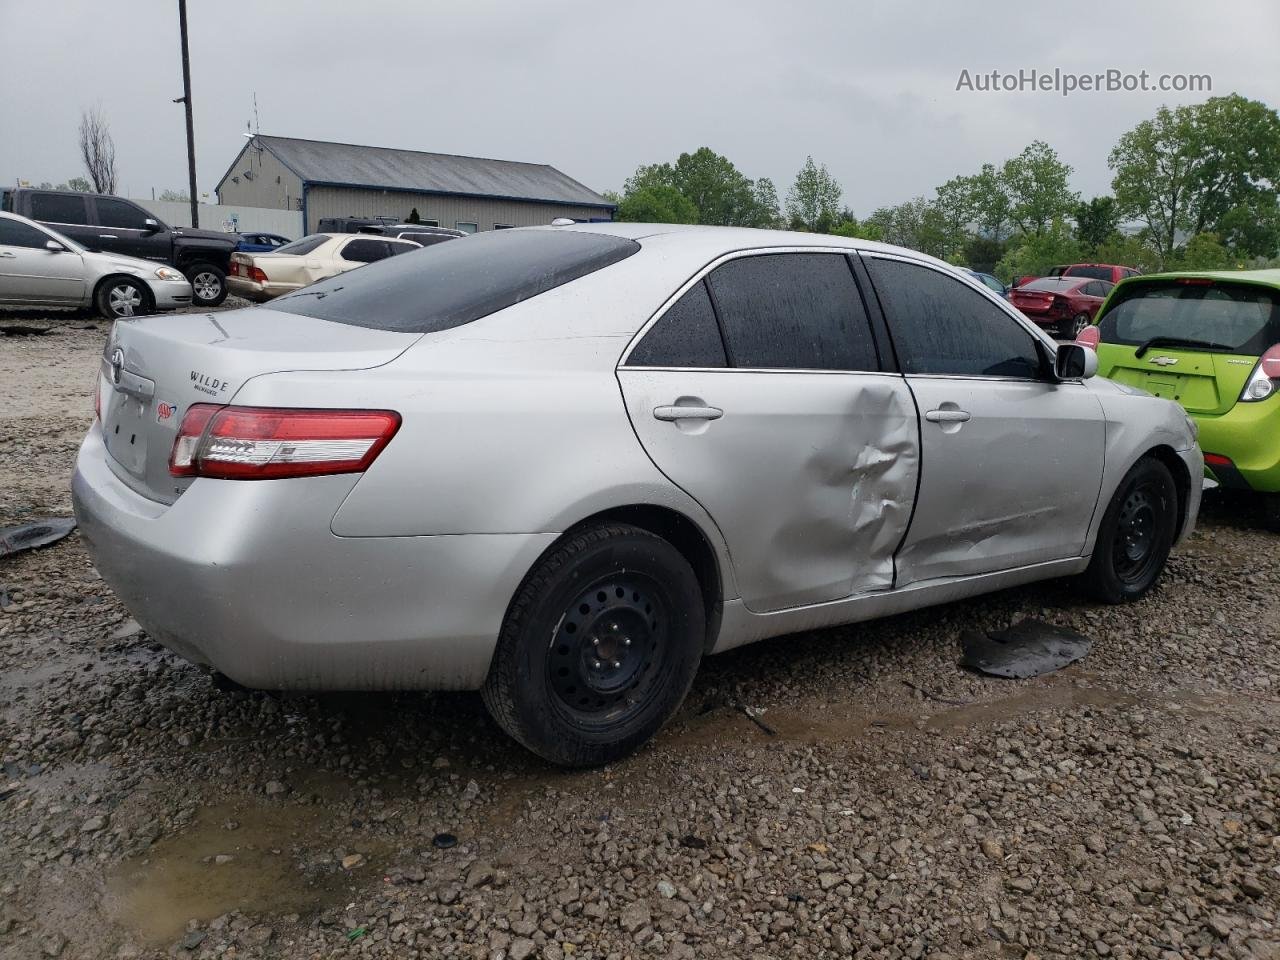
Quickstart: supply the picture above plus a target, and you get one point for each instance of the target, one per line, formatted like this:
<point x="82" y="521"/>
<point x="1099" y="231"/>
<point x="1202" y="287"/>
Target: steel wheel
<point x="601" y="661"/>
<point x="1136" y="534"/>
<point x="1134" y="544"/>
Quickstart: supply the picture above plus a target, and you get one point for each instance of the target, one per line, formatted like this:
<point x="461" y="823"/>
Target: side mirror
<point x="1075" y="362"/>
<point x="53" y="246"/>
<point x="151" y="225"/>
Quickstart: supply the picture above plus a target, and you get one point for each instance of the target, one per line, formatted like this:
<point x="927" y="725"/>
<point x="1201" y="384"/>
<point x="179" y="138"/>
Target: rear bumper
<point x="1249" y="436"/>
<point x="259" y="292"/>
<point x="248" y="578"/>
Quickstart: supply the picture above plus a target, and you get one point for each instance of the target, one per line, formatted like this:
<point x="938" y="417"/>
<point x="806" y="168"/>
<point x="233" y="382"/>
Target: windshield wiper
<point x="1178" y="342"/>
<point x="318" y="294"/>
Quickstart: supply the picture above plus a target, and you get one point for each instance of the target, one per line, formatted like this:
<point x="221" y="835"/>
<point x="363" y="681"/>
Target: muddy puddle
<point x="261" y="858"/>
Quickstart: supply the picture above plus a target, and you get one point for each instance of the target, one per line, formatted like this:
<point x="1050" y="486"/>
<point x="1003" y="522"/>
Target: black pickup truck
<point x="116" y="225"/>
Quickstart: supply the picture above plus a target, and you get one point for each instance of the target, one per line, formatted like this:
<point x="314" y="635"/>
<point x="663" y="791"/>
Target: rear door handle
<point x="671" y="414"/>
<point x="947" y="416"/>
<point x="107" y="236"/>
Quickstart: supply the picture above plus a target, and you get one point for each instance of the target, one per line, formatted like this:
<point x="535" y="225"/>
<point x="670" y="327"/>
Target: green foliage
<point x="916" y="224"/>
<point x="1187" y="170"/>
<point x="983" y="253"/>
<point x="1096" y="222"/>
<point x="1204" y="251"/>
<point x="1034" y="253"/>
<point x="79" y="184"/>
<point x="413" y="216"/>
<point x="813" y="200"/>
<point x="850" y="227"/>
<point x="719" y="192"/>
<point x="1129" y="251"/>
<point x="659" y="203"/>
<point x="1038" y="188"/>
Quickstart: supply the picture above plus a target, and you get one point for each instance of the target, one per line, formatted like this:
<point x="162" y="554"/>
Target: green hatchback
<point x="1210" y="341"/>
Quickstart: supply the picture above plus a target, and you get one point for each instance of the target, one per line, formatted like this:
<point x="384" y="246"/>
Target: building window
<point x="467" y="227"/>
<point x="503" y="226"/>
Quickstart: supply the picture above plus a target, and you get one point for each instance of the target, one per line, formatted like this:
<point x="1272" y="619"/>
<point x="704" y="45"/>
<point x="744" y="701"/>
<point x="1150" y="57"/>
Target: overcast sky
<point x="596" y="87"/>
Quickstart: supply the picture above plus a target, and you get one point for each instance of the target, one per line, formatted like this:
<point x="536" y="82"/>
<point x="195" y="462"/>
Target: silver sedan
<point x="40" y="267"/>
<point x="562" y="464"/>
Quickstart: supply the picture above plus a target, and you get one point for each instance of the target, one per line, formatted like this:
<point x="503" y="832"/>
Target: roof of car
<point x="1268" y="277"/>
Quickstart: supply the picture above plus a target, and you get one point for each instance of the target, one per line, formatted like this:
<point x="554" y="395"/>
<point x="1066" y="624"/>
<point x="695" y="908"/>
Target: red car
<point x="1065" y="304"/>
<point x="1095" y="271"/>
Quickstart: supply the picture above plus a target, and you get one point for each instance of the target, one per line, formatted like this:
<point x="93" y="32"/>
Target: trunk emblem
<point x="1165" y="361"/>
<point x="117" y="366"/>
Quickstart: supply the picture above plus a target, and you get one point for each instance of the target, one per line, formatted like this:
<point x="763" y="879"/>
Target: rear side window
<point x="305" y="245"/>
<point x="450" y="284"/>
<point x="365" y="251"/>
<point x="15" y="233"/>
<point x="1222" y="317"/>
<point x="797" y="311"/>
<point x="685" y="336"/>
<point x="119" y="213"/>
<point x="59" y="208"/>
<point x="941" y="326"/>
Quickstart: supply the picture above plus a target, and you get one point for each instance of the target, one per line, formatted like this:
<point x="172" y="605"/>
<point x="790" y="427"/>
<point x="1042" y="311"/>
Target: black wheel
<point x="119" y="298"/>
<point x="208" y="284"/>
<point x="1071" y="329"/>
<point x="598" y="648"/>
<point x="1136" y="535"/>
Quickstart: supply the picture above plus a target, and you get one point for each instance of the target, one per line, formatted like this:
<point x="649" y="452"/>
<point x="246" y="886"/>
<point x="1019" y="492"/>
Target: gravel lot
<point x="1128" y="806"/>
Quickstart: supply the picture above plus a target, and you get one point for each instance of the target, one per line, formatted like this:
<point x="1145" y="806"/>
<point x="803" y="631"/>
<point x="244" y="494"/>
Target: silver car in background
<point x="40" y="267"/>
<point x="562" y="464"/>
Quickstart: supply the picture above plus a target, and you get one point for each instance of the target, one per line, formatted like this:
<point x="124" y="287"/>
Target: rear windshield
<point x="1226" y="317"/>
<point x="449" y="284"/>
<point x="1051" y="284"/>
<point x="305" y="245"/>
<point x="1093" y="273"/>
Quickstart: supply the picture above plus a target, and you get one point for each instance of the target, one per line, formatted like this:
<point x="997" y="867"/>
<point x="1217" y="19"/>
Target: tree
<point x="983" y="253"/>
<point x="850" y="227"/>
<point x="659" y="203"/>
<point x="1038" y="188"/>
<point x="79" y="184"/>
<point x="916" y="224"/>
<point x="1096" y="221"/>
<point x="1185" y="170"/>
<point x="1129" y="251"/>
<point x="413" y="216"/>
<point x="177" y="196"/>
<point x="766" y="204"/>
<point x="1034" y="253"/>
<point x="991" y="203"/>
<point x="815" y="195"/>
<point x="956" y="204"/>
<point x="719" y="192"/>
<point x="98" y="150"/>
<point x="1204" y="251"/>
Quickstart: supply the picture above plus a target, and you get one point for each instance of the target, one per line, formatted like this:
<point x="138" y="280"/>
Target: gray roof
<point x="349" y="164"/>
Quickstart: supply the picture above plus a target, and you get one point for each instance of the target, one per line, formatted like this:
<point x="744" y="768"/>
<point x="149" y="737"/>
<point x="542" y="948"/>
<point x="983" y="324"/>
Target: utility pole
<point x="186" y="101"/>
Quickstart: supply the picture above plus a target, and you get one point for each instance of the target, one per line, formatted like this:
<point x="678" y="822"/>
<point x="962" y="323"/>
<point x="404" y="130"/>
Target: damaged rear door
<point x="1011" y="461"/>
<point x="760" y="392"/>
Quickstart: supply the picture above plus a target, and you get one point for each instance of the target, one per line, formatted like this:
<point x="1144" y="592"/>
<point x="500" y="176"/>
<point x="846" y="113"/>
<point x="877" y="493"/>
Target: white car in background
<point x="263" y="276"/>
<point x="40" y="267"/>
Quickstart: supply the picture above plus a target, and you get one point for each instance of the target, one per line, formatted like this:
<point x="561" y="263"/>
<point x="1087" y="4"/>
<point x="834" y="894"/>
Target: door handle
<point x="107" y="236"/>
<point x="947" y="416"/>
<point x="672" y="414"/>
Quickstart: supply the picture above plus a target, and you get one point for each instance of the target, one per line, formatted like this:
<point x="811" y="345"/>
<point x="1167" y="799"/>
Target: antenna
<point x="257" y="127"/>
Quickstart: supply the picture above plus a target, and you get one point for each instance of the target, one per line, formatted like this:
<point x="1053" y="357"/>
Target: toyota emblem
<point x="117" y="366"/>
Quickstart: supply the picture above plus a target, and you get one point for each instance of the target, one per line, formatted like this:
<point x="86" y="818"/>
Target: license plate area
<point x="124" y="429"/>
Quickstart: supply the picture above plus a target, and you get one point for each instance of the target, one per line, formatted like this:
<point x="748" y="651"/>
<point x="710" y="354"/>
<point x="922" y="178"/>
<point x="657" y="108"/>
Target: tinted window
<point x="798" y="311"/>
<point x="59" y="208"/>
<point x="685" y="336"/>
<point x="1230" y="318"/>
<point x="427" y="239"/>
<point x="395" y="249"/>
<point x="1051" y="285"/>
<point x="450" y="284"/>
<point x="305" y="245"/>
<point x="365" y="251"/>
<point x="119" y="213"/>
<point x="15" y="233"/>
<point x="1097" y="273"/>
<point x="940" y="326"/>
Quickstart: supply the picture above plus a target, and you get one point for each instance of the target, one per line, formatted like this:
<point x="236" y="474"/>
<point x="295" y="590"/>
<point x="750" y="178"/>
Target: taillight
<point x="267" y="443"/>
<point x="257" y="273"/>
<point x="1090" y="336"/>
<point x="1265" y="379"/>
<point x="97" y="397"/>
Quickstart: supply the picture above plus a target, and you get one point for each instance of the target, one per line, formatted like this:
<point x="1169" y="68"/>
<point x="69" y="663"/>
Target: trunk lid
<point x="1203" y="383"/>
<point x="154" y="368"/>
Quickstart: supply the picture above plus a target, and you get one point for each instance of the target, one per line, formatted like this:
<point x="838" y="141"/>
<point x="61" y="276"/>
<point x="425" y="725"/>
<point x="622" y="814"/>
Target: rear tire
<point x="1136" y="535"/>
<point x="208" y="284"/>
<point x="1071" y="329"/>
<point x="598" y="648"/>
<point x="119" y="298"/>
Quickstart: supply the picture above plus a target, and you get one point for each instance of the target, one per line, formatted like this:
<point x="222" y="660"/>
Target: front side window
<point x="15" y="233"/>
<point x="59" y="208"/>
<point x="796" y="311"/>
<point x="942" y="327"/>
<point x="120" y="213"/>
<point x="685" y="336"/>
<point x="365" y="251"/>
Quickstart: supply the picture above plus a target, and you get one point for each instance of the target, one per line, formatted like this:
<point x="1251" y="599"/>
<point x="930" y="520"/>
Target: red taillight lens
<point x="1217" y="460"/>
<point x="258" y="274"/>
<point x="1090" y="336"/>
<point x="1264" y="381"/>
<point x="266" y="443"/>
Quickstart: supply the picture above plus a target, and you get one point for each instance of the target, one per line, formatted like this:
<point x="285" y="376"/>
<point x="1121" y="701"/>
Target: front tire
<point x="1136" y="535"/>
<point x="119" y="298"/>
<point x="598" y="648"/>
<point x="208" y="284"/>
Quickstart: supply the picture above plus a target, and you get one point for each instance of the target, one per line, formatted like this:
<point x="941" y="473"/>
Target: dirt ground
<point x="896" y="806"/>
